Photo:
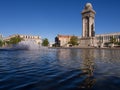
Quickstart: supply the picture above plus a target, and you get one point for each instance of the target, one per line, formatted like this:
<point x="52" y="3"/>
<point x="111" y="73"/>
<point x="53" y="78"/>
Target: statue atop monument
<point x="88" y="6"/>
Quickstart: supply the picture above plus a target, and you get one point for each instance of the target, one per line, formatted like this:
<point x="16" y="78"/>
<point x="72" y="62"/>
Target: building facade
<point x="36" y="39"/>
<point x="102" y="40"/>
<point x="1" y="37"/>
<point x="62" y="40"/>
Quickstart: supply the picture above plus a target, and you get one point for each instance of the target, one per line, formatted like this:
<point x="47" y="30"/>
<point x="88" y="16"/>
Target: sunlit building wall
<point x="63" y="40"/>
<point x="101" y="39"/>
<point x="1" y="37"/>
<point x="36" y="39"/>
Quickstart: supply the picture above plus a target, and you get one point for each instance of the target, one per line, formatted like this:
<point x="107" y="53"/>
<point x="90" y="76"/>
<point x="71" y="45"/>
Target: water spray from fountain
<point x="28" y="45"/>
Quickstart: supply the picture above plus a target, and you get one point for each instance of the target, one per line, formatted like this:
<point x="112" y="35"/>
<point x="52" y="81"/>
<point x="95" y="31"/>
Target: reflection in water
<point x="88" y="68"/>
<point x="69" y="58"/>
<point x="82" y="60"/>
<point x="88" y="61"/>
<point x="88" y="83"/>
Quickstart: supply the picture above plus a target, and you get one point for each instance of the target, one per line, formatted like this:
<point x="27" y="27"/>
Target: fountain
<point x="28" y="44"/>
<point x="25" y="45"/>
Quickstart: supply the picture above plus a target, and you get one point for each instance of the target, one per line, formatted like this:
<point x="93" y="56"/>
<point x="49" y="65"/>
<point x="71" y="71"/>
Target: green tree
<point x="74" y="40"/>
<point x="118" y="43"/>
<point x="1" y="43"/>
<point x="112" y="40"/>
<point x="45" y="42"/>
<point x="15" y="40"/>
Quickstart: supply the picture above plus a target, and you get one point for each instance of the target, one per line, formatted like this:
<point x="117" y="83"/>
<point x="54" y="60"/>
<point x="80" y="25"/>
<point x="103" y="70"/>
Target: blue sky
<point x="48" y="18"/>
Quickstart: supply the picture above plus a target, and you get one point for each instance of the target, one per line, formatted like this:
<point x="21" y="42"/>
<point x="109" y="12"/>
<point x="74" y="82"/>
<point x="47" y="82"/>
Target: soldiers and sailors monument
<point x="88" y="26"/>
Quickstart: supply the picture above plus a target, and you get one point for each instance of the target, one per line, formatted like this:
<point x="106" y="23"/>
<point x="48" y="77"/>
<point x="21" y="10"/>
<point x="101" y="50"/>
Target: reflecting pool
<point x="60" y="69"/>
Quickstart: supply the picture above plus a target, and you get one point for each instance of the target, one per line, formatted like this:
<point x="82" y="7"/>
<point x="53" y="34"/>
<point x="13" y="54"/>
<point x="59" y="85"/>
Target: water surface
<point x="60" y="69"/>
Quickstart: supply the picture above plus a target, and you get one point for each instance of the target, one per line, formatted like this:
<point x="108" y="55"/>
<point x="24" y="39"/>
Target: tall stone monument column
<point x="88" y="15"/>
<point x="88" y="25"/>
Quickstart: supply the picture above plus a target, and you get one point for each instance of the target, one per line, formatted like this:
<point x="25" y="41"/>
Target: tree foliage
<point x="15" y="40"/>
<point x="57" y="42"/>
<point x="74" y="40"/>
<point x="112" y="40"/>
<point x="1" y="43"/>
<point x="45" y="42"/>
<point x="118" y="43"/>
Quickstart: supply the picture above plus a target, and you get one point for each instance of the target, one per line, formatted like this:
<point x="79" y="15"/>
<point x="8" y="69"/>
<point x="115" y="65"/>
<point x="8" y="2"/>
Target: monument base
<point x="86" y="42"/>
